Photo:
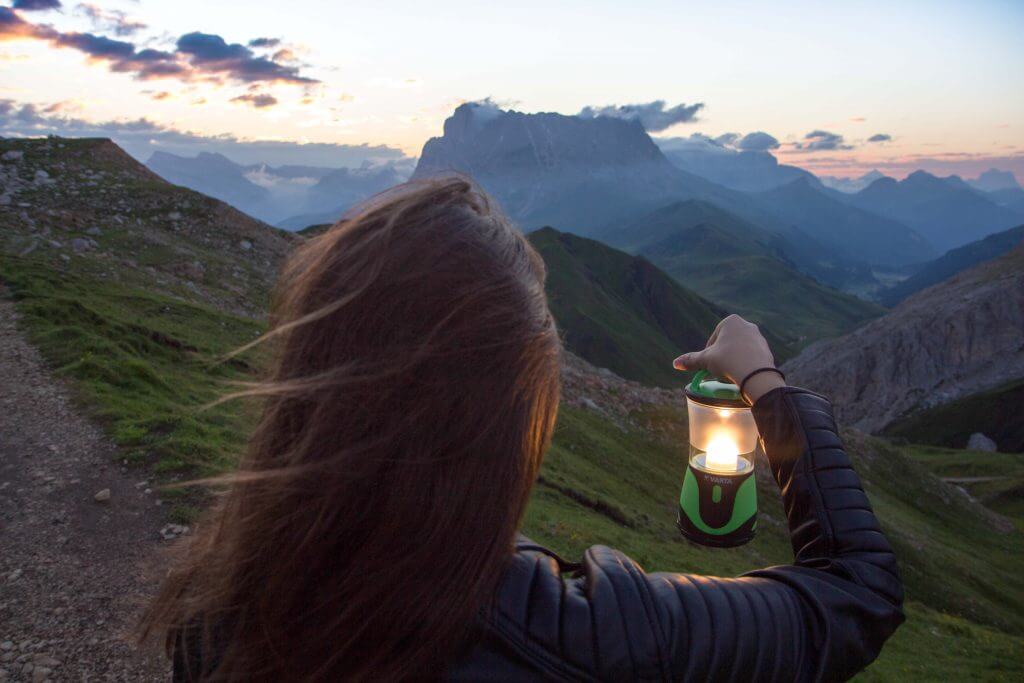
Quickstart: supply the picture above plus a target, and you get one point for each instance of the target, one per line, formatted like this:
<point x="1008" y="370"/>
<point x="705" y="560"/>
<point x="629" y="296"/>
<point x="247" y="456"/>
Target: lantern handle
<point x="698" y="377"/>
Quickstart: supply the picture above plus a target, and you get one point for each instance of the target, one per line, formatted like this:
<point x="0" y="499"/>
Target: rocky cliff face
<point x="952" y="340"/>
<point x="550" y="169"/>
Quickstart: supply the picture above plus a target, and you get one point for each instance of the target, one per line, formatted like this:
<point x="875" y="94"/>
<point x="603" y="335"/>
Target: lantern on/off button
<point x="718" y="501"/>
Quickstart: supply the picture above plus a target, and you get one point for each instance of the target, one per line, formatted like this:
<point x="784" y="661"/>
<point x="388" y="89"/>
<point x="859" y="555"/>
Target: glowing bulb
<point x="722" y="454"/>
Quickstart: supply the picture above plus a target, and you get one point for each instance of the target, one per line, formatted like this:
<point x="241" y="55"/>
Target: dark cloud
<point x="199" y="56"/>
<point x="115" y="21"/>
<point x="264" y="42"/>
<point x="213" y="54"/>
<point x="758" y="141"/>
<point x="653" y="116"/>
<point x="880" y="137"/>
<point x="35" y="5"/>
<point x="257" y="100"/>
<point x="141" y="137"/>
<point x="822" y="140"/>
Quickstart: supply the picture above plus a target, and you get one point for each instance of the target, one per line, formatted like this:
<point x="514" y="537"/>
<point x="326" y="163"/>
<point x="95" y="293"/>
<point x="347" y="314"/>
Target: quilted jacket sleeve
<point x="823" y="617"/>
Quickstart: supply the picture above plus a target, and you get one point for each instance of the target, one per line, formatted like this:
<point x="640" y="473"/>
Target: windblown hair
<point x="413" y="394"/>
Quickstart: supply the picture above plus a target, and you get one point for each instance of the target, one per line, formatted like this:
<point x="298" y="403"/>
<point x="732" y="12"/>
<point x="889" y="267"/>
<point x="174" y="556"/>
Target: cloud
<point x="197" y="56"/>
<point x="141" y="137"/>
<point x="653" y="116"/>
<point x="35" y="5"/>
<point x="257" y="100"/>
<point x="758" y="141"/>
<point x="880" y="137"/>
<point x="726" y="143"/>
<point x="114" y="20"/>
<point x="264" y="42"/>
<point x="213" y="54"/>
<point x="820" y="141"/>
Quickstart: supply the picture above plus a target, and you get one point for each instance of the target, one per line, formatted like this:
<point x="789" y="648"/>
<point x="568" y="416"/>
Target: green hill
<point x="620" y="312"/>
<point x="742" y="268"/>
<point x="137" y="345"/>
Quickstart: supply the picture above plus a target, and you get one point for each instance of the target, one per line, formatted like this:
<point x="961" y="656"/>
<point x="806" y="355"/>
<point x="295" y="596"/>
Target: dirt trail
<point x="74" y="571"/>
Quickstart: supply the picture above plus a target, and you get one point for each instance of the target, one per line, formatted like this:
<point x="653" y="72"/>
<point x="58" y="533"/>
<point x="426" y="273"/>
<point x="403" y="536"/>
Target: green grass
<point x="143" y="364"/>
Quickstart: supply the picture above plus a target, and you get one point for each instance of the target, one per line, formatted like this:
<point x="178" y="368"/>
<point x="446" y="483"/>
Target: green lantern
<point x="718" y="501"/>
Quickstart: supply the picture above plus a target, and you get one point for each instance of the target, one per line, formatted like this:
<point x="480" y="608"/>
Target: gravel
<point x="74" y="575"/>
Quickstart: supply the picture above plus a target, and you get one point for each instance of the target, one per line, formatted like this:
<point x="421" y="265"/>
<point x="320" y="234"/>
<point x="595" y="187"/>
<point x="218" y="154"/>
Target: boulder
<point x="980" y="442"/>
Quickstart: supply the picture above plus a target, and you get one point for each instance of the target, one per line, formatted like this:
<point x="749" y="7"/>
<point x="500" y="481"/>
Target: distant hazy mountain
<point x="994" y="179"/>
<point x="744" y="269"/>
<point x="750" y="171"/>
<point x="953" y="262"/>
<point x="214" y="175"/>
<point x="851" y="185"/>
<point x="851" y="231"/>
<point x="948" y="213"/>
<point x="947" y="342"/>
<point x="276" y="194"/>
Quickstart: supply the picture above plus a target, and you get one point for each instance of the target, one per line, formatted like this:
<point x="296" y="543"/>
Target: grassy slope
<point x="620" y="312"/>
<point x="996" y="413"/>
<point x="740" y="267"/>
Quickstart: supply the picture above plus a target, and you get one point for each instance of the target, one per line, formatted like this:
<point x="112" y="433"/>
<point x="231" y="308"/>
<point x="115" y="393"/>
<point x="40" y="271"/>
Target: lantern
<point x="718" y="501"/>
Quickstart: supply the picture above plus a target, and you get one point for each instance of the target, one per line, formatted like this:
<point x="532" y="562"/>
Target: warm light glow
<point x="722" y="454"/>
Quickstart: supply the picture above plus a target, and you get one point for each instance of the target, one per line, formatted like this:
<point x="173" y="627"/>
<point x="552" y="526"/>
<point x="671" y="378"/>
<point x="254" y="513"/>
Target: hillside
<point x="947" y="214"/>
<point x="947" y="342"/>
<point x="853" y="232"/>
<point x="742" y="268"/>
<point x="951" y="263"/>
<point x="136" y="345"/>
<point x="620" y="312"/>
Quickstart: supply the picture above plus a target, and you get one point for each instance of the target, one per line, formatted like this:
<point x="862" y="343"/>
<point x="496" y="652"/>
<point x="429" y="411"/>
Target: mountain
<point x="955" y="339"/>
<point x="742" y="268"/>
<point x="951" y="263"/>
<point x="291" y="196"/>
<point x="994" y="179"/>
<point x="947" y="214"/>
<point x="620" y="312"/>
<point x="748" y="171"/>
<point x="213" y="174"/>
<point x="851" y="185"/>
<point x="339" y="190"/>
<point x="856" y="233"/>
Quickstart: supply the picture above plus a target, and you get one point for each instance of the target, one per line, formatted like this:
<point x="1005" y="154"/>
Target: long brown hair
<point x="404" y="419"/>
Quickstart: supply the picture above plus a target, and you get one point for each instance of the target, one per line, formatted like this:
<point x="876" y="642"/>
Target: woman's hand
<point x="735" y="349"/>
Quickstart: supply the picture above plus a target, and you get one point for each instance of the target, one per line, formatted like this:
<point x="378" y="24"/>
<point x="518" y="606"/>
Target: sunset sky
<point x="938" y="84"/>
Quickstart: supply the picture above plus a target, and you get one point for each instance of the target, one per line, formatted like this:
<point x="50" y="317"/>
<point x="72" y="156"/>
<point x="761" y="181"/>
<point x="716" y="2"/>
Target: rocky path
<point x="74" y="570"/>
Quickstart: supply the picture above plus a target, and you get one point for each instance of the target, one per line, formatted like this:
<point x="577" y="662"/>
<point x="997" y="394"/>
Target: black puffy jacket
<point x="824" y="617"/>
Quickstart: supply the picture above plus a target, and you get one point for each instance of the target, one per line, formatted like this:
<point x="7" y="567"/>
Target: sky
<point x="840" y="87"/>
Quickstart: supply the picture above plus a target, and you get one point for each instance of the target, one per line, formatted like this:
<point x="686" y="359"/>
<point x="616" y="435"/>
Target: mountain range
<point x="292" y="197"/>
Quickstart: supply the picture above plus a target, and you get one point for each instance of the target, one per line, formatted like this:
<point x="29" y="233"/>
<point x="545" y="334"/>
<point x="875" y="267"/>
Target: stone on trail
<point x="102" y="496"/>
<point x="980" y="442"/>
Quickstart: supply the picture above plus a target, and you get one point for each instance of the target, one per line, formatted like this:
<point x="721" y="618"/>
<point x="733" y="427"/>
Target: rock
<point x="40" y="674"/>
<point x="5" y="200"/>
<point x="13" y="155"/>
<point x="46" y="660"/>
<point x="980" y="442"/>
<point x="79" y="245"/>
<point x="14" y="575"/>
<point x="7" y="645"/>
<point x="42" y="175"/>
<point x="245" y="245"/>
<point x="102" y="496"/>
<point x="174" y="215"/>
<point x="94" y="231"/>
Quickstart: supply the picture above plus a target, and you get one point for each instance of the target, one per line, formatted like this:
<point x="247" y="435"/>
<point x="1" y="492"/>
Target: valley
<point x="133" y="290"/>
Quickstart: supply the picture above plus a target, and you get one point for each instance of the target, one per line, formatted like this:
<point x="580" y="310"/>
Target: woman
<point x="371" y="532"/>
